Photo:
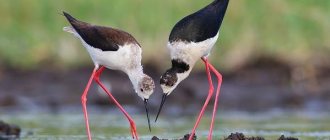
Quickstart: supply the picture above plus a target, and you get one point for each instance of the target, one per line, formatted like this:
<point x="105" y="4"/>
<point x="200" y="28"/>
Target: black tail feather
<point x="76" y="24"/>
<point x="69" y="17"/>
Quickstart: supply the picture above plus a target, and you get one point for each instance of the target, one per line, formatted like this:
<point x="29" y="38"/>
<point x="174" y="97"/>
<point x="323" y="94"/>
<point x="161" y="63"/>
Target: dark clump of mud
<point x="154" y="138"/>
<point x="232" y="136"/>
<point x="241" y="136"/>
<point x="9" y="131"/>
<point x="185" y="137"/>
<point x="287" y="138"/>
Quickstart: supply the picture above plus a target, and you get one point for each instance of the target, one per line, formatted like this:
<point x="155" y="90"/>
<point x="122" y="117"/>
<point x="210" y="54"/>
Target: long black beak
<point x="146" y="106"/>
<point x="161" y="105"/>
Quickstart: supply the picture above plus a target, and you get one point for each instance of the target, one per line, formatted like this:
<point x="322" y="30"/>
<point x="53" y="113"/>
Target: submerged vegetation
<point x="293" y="31"/>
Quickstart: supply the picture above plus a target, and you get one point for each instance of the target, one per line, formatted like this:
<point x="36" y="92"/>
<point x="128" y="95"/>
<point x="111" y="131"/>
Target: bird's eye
<point x="141" y="89"/>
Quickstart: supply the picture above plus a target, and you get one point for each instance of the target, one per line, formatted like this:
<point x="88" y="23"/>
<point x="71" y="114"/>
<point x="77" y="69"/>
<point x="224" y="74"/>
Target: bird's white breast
<point x="190" y="52"/>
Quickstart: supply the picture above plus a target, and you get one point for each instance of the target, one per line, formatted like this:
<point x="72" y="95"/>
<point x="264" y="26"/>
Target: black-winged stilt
<point x="114" y="49"/>
<point x="192" y="38"/>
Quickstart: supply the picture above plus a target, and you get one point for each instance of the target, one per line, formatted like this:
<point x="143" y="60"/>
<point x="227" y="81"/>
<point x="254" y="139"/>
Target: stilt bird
<point x="190" y="39"/>
<point x="113" y="49"/>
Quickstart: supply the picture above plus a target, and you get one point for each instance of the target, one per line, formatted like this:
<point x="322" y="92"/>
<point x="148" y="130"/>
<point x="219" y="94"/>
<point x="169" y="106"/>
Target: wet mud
<point x="9" y="131"/>
<point x="241" y="136"/>
<point x="185" y="137"/>
<point x="232" y="136"/>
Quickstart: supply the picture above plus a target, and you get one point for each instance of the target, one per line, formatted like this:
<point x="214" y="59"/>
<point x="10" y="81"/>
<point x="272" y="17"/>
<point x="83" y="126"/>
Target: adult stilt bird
<point x="192" y="38"/>
<point x="113" y="49"/>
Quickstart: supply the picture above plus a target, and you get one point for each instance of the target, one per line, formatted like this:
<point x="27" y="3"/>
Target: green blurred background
<point x="296" y="32"/>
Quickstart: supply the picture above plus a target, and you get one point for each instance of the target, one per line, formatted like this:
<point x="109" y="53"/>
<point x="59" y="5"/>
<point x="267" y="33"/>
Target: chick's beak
<point x="147" y="111"/>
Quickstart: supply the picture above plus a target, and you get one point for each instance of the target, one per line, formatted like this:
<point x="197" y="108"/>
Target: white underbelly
<point x="126" y="57"/>
<point x="191" y="52"/>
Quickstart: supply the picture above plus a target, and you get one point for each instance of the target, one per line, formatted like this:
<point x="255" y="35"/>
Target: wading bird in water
<point x="113" y="49"/>
<point x="190" y="39"/>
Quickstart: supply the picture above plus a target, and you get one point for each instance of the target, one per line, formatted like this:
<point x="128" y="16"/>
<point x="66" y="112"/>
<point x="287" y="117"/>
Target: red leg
<point x="219" y="77"/>
<point x="211" y="88"/>
<point x="132" y="124"/>
<point x="84" y="100"/>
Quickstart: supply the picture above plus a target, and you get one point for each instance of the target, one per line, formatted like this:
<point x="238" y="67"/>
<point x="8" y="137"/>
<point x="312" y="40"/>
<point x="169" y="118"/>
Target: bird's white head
<point x="145" y="87"/>
<point x="171" y="79"/>
<point x="173" y="76"/>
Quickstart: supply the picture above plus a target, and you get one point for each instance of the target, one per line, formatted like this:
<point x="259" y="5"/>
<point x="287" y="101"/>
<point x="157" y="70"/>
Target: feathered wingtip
<point x="69" y="17"/>
<point x="76" y="24"/>
<point x="222" y="7"/>
<point x="221" y="1"/>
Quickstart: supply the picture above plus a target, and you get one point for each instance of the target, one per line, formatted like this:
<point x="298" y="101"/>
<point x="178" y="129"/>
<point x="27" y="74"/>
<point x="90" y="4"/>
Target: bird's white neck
<point x="135" y="75"/>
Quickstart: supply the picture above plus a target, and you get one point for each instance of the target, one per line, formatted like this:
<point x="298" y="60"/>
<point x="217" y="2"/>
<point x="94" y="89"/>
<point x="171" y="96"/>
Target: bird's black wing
<point x="201" y="25"/>
<point x="104" y="38"/>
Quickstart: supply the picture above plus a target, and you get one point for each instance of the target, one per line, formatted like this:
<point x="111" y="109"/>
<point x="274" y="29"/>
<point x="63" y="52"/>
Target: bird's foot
<point x="133" y="131"/>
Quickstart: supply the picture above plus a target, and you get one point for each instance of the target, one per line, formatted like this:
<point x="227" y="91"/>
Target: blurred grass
<point x="296" y="31"/>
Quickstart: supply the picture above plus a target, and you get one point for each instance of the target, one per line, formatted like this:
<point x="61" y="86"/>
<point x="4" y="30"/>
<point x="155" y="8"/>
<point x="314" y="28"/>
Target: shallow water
<point x="67" y="126"/>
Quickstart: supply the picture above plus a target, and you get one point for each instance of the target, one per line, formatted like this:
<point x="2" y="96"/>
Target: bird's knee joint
<point x="83" y="100"/>
<point x="212" y="88"/>
<point x="96" y="78"/>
